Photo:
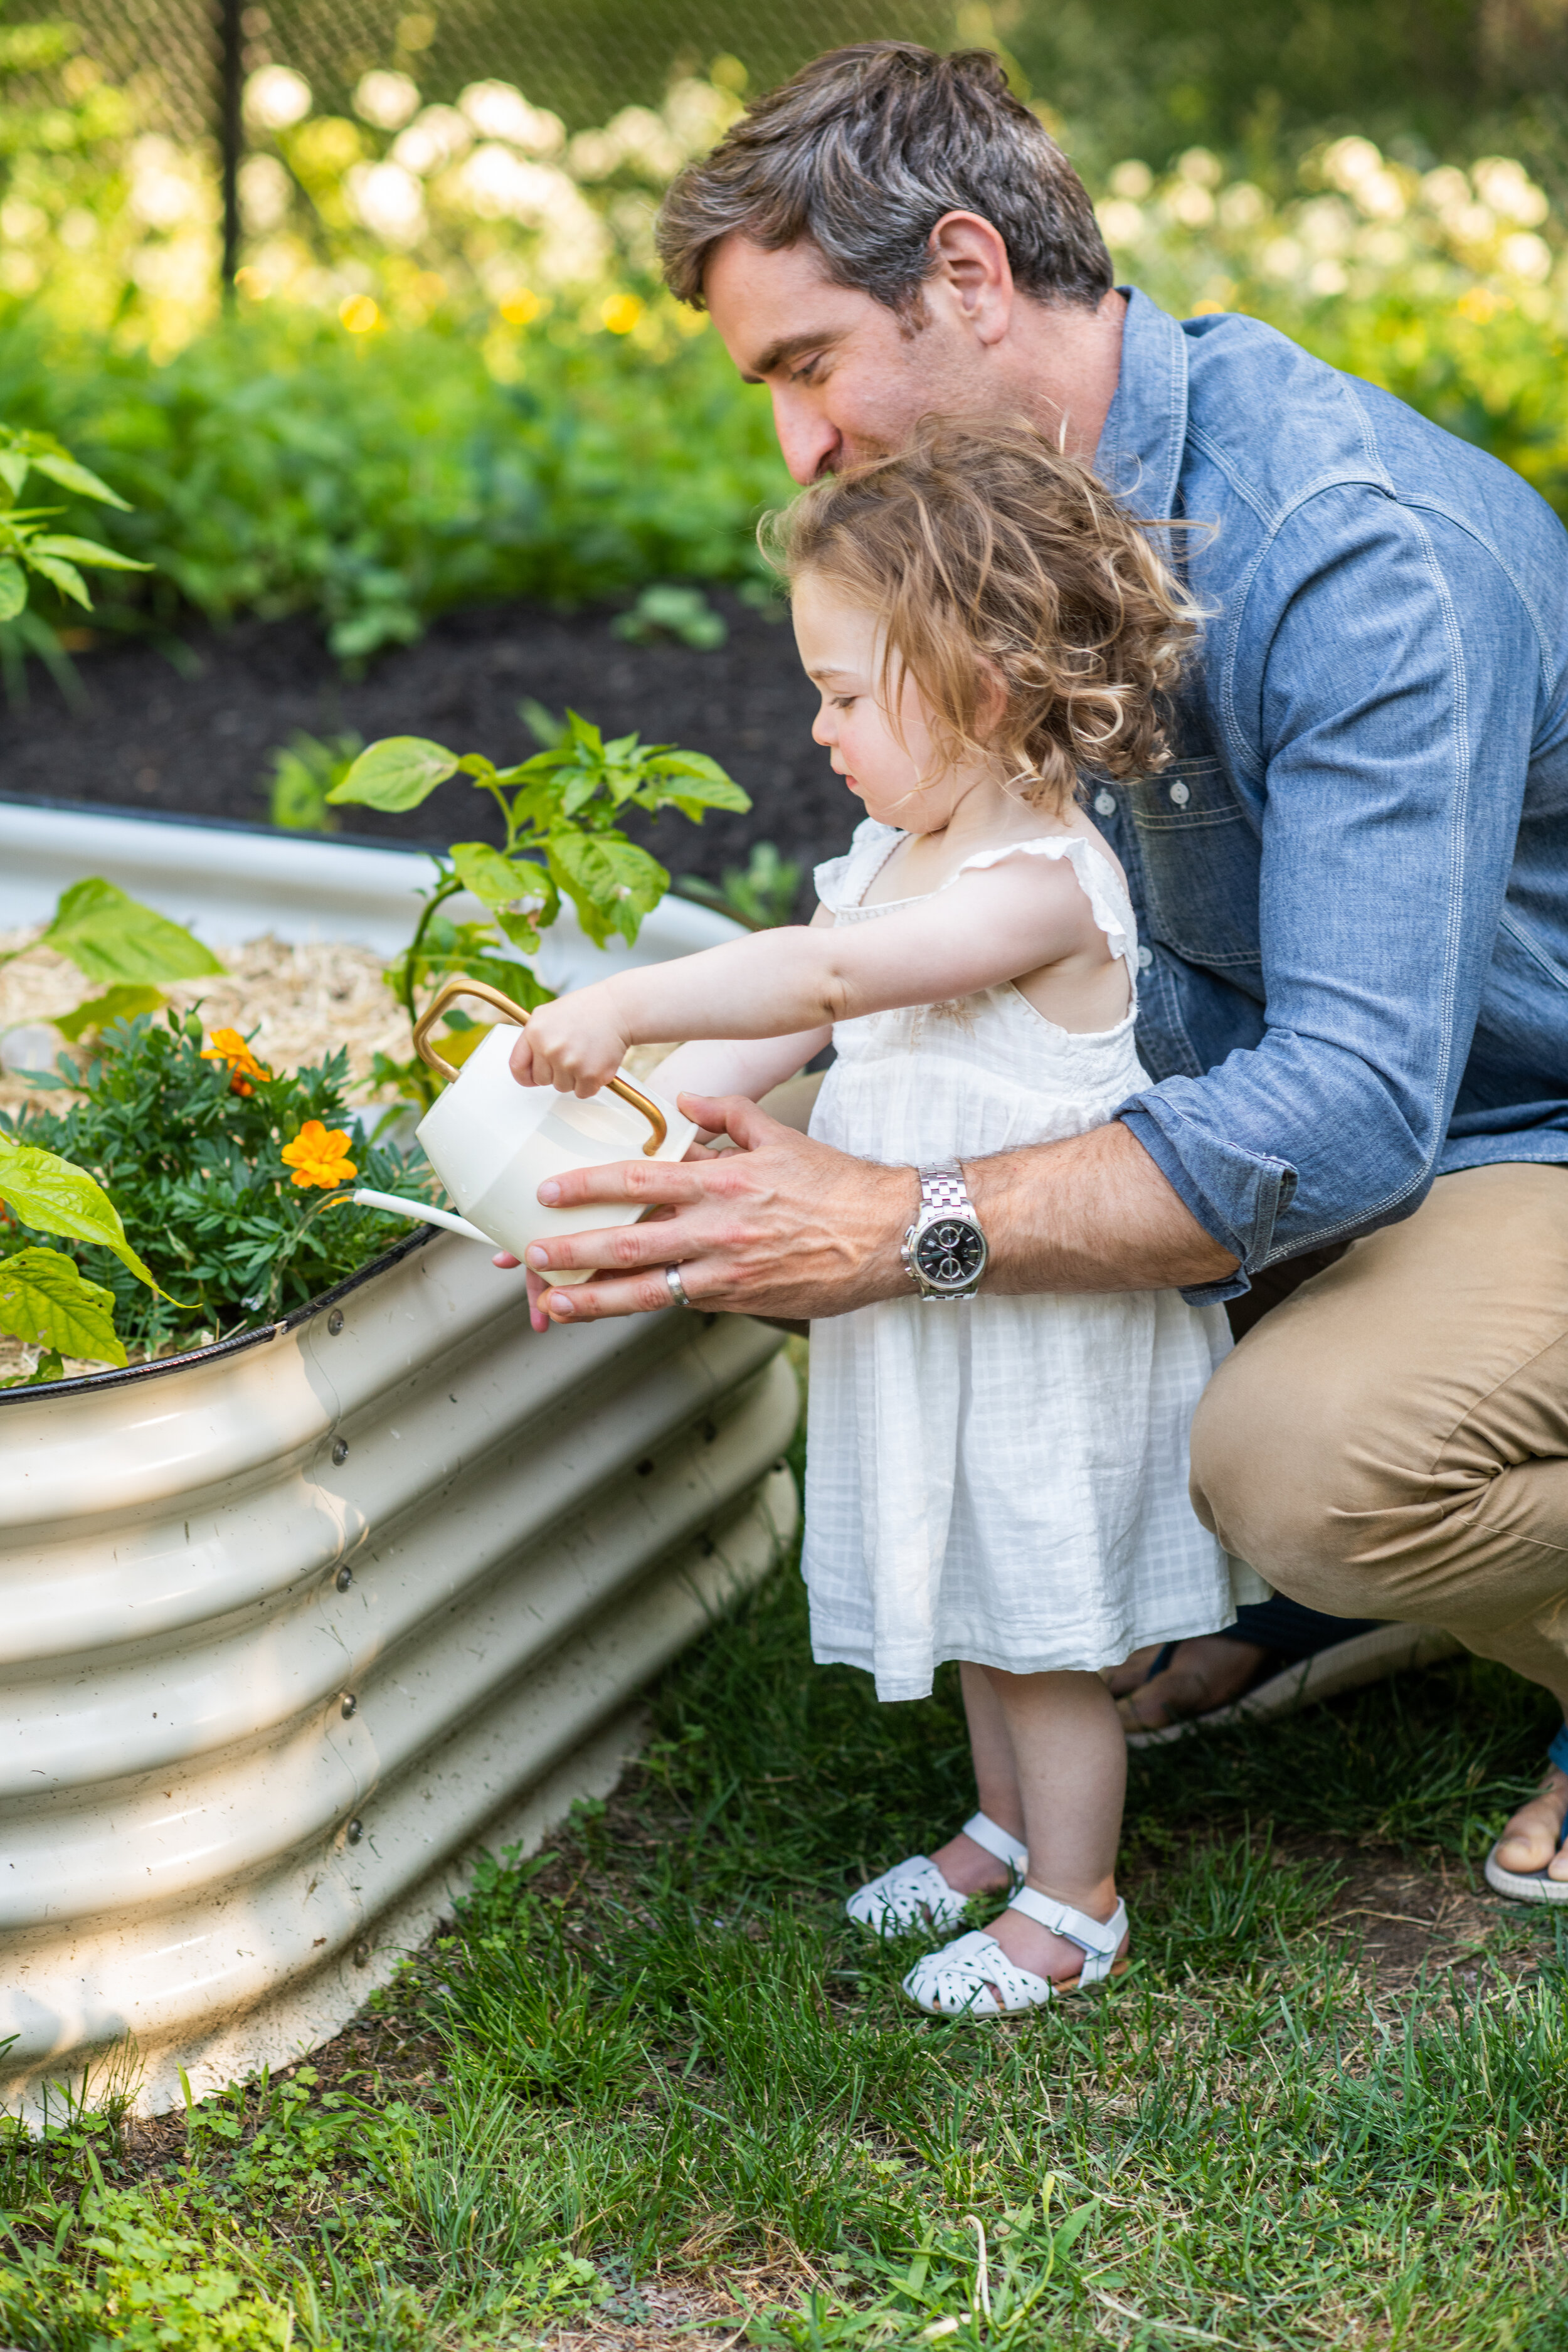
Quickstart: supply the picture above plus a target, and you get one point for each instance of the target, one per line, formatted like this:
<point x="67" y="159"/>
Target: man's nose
<point x="808" y="439"/>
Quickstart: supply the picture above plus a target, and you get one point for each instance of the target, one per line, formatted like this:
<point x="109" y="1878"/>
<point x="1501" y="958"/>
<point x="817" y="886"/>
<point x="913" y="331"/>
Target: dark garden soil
<point x="187" y="731"/>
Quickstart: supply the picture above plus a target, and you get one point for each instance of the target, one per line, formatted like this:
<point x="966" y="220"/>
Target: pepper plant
<point x="563" y="840"/>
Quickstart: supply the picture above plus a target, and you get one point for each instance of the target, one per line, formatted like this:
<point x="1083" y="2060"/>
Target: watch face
<point x="949" y="1253"/>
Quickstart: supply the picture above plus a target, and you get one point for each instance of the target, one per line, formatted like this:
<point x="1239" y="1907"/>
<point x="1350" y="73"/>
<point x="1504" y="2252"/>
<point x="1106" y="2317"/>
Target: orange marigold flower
<point x="229" y="1046"/>
<point x="318" y="1155"/>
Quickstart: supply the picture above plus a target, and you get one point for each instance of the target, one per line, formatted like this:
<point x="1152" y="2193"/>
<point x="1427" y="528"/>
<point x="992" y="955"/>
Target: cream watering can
<point x="492" y="1142"/>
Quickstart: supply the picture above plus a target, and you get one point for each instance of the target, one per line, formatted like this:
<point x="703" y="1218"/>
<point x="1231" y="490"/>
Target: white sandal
<point x="958" y="1981"/>
<point x="914" y="1893"/>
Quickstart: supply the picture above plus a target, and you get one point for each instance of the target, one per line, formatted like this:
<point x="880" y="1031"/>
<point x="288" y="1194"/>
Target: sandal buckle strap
<point x="1097" y="1939"/>
<point x="996" y="1841"/>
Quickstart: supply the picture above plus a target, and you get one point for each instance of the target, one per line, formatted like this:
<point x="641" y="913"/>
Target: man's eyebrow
<point x="779" y="354"/>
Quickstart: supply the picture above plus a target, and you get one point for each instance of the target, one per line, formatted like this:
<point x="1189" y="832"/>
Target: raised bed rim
<point x="122" y="1376"/>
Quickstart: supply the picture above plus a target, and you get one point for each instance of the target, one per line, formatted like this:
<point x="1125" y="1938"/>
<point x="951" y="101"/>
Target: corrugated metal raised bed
<point x="288" y="1624"/>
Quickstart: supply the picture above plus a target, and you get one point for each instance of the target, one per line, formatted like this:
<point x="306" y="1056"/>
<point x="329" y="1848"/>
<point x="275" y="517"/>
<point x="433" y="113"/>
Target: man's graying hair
<point x="863" y="152"/>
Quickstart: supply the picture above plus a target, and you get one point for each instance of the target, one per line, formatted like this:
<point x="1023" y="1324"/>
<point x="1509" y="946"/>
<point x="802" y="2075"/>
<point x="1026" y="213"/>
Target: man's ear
<point x="970" y="267"/>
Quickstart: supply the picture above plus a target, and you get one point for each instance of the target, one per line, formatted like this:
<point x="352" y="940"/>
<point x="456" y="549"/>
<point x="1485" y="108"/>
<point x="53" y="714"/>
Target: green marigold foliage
<point x="196" y="1169"/>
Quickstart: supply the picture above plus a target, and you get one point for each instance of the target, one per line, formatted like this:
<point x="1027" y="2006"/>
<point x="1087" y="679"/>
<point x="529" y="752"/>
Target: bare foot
<point x="1529" y="1842"/>
<point x="1133" y="1673"/>
<point x="1207" y="1671"/>
<point x="969" y="1869"/>
<point x="1029" y="1945"/>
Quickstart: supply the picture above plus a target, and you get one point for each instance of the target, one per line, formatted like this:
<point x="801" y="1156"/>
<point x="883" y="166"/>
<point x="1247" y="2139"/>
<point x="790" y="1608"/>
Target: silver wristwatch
<point x="944" y="1250"/>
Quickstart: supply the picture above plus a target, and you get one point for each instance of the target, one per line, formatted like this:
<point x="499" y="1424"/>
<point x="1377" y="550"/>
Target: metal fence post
<point x="231" y="134"/>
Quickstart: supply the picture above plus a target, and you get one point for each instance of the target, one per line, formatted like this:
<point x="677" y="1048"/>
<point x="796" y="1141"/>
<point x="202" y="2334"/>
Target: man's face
<point x="849" y="379"/>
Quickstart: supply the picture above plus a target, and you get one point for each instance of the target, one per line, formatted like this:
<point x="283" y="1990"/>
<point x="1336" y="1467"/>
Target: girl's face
<point x="902" y="782"/>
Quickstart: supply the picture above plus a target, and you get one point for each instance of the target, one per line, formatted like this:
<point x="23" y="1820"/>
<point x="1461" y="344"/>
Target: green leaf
<point x="114" y="938"/>
<point x="692" y="781"/>
<point x="80" y="478"/>
<point x="84" y="551"/>
<point x="497" y="882"/>
<point x="47" y="1301"/>
<point x="15" y="467"/>
<point x="121" y="1003"/>
<point x="396" y="773"/>
<point x="65" y="576"/>
<point x="13" y="588"/>
<point x="42" y="1190"/>
<point x="612" y="883"/>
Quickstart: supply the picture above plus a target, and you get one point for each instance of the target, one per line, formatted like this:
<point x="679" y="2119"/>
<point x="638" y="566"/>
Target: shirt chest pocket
<point x="1201" y="862"/>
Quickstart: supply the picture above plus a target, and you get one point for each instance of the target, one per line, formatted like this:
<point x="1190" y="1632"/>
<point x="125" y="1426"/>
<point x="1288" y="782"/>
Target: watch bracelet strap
<point x="943" y="1189"/>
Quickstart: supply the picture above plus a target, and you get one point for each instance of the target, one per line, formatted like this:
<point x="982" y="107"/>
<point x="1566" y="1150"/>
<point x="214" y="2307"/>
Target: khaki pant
<point x="1392" y="1441"/>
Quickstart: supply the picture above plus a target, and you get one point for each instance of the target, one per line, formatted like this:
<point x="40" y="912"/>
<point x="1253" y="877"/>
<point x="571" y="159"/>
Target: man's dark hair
<point x="863" y="152"/>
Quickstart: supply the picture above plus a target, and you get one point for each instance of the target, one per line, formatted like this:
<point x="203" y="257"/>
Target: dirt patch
<point x="189" y="732"/>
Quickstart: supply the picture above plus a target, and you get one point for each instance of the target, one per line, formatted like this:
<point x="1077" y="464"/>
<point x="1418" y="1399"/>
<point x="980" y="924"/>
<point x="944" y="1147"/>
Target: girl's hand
<point x="575" y="1044"/>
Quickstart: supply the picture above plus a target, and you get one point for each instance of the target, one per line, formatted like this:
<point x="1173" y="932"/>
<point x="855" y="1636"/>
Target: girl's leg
<point x="1070" y="1754"/>
<point x="964" y="1865"/>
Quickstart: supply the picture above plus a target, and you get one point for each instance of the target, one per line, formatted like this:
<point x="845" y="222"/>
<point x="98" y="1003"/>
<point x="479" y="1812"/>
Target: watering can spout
<point x="422" y="1213"/>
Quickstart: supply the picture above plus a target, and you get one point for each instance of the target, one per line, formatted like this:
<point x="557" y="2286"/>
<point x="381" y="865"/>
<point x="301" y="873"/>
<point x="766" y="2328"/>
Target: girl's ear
<point x="991" y="700"/>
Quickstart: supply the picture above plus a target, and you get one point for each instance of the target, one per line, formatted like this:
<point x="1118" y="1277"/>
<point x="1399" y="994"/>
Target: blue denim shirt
<point x="1352" y="884"/>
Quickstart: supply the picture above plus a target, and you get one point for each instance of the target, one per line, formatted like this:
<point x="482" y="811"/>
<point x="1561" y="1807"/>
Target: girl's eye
<point x="845" y="701"/>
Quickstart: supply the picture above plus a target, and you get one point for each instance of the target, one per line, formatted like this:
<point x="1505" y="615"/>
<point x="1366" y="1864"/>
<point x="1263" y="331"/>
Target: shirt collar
<point x="1144" y="435"/>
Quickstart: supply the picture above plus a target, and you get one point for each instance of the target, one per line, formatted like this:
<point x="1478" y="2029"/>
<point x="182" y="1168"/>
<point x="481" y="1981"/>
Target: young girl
<point x="993" y="1479"/>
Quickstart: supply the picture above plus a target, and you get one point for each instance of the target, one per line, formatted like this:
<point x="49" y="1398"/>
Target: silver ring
<point x="676" y="1287"/>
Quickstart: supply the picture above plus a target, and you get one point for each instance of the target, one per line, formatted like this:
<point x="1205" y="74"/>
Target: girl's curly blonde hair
<point x="1004" y="572"/>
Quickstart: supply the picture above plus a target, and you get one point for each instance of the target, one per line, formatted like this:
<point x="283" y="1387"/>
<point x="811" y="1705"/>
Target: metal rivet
<point x="1180" y="794"/>
<point x="335" y="1321"/>
<point x="355" y="1831"/>
<point x="1105" y="804"/>
<point x="361" y="1956"/>
<point x="1145" y="958"/>
<point x="340" y="1451"/>
<point x="351" y="1703"/>
<point x="344" y="1578"/>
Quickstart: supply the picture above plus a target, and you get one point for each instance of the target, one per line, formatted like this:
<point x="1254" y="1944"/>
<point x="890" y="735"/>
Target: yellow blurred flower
<point x="229" y="1046"/>
<point x="620" y="313"/>
<point x="318" y="1155"/>
<point x="359" y="313"/>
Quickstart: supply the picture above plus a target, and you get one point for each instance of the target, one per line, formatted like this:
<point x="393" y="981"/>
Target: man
<point x="1352" y="884"/>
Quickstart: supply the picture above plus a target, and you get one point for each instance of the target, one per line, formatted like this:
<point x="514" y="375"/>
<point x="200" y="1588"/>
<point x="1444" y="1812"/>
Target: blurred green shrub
<point x="668" y="611"/>
<point x="304" y="772"/>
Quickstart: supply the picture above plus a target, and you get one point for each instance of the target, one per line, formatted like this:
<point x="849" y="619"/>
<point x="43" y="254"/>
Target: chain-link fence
<point x="583" y="61"/>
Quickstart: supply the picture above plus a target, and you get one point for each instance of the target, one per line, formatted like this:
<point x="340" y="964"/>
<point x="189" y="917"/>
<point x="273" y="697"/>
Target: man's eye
<point x="805" y="370"/>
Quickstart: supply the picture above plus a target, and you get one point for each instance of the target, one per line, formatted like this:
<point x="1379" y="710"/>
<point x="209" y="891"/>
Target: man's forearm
<point x="1091" y="1214"/>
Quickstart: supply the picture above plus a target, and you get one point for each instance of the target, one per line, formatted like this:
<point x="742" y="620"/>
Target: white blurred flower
<point x="20" y="273"/>
<point x="641" y="137"/>
<point x="1132" y="180"/>
<point x="21" y="222"/>
<point x="1327" y="277"/>
<point x="276" y="97"/>
<point x="1121" y="223"/>
<point x="1469" y="224"/>
<point x="592" y="155"/>
<point x="387" y="100"/>
<point x="1325" y="226"/>
<point x="77" y="231"/>
<point x="161" y="191"/>
<point x="1282" y="258"/>
<point x="1242" y="205"/>
<point x="388" y="200"/>
<point x="1380" y="196"/>
<point x="1349" y="161"/>
<point x="1527" y="257"/>
<point x="1445" y="186"/>
<point x="439" y="137"/>
<point x="1188" y="203"/>
<point x="264" y="193"/>
<point x="1508" y="188"/>
<point x="697" y="113"/>
<point x="497" y="111"/>
<point x="1201" y="168"/>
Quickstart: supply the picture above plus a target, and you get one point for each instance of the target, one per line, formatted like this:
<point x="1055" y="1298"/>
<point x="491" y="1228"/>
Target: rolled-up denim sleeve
<point x="1378" y="690"/>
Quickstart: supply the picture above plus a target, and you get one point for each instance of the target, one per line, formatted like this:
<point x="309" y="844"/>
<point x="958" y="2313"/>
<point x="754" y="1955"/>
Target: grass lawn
<point x="651" y="2090"/>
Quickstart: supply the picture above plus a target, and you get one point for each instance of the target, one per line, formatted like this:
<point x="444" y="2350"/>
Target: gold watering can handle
<point x="450" y="989"/>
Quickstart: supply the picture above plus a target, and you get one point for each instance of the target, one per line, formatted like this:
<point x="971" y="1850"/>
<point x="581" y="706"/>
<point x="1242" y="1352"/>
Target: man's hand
<point x="786" y="1228"/>
<point x="575" y="1044"/>
<point x="781" y="1226"/>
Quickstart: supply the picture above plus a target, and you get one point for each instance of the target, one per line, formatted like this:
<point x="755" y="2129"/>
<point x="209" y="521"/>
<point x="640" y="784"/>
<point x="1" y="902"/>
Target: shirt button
<point x="1180" y="794"/>
<point x="1145" y="958"/>
<point x="1105" y="804"/>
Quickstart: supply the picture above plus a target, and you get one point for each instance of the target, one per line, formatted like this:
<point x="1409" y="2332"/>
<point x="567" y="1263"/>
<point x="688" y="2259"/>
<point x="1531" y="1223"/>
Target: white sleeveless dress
<point x="1001" y="1479"/>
